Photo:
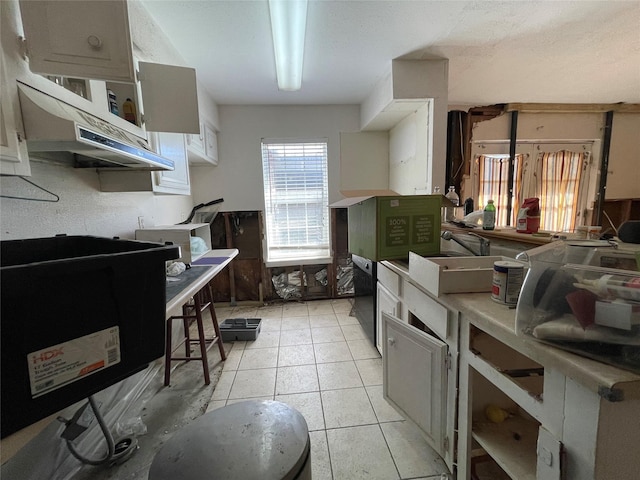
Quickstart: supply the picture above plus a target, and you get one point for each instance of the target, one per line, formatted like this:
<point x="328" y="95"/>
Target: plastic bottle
<point x="489" y="216"/>
<point x="129" y="111"/>
<point x="450" y="212"/>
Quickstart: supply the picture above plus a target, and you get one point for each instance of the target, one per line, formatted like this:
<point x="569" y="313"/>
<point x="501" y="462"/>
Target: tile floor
<point x="315" y="357"/>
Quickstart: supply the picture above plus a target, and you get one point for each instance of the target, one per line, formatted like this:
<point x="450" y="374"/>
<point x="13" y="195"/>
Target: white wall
<point x="238" y="177"/>
<point x="410" y="155"/>
<point x="83" y="208"/>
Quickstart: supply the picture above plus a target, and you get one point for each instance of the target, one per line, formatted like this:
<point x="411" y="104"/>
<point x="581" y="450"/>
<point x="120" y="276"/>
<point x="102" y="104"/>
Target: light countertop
<point x="499" y="321"/>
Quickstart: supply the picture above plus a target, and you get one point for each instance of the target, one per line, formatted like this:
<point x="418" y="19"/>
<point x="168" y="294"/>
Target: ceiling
<point x="499" y="51"/>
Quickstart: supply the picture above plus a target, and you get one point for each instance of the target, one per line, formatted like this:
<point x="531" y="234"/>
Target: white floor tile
<point x="253" y="383"/>
<point x="270" y="324"/>
<point x="341" y="305"/>
<point x="296" y="355"/>
<point x="345" y="319"/>
<point x="361" y="349"/>
<point x="298" y="379"/>
<point x="253" y="358"/>
<point x="239" y="345"/>
<point x="233" y="359"/>
<point x="370" y="371"/>
<point x="332" y="352"/>
<point x="294" y="323"/>
<point x="295" y="310"/>
<point x="360" y="453"/>
<point x="265" y="340"/>
<point x="319" y="307"/>
<point x="231" y="401"/>
<point x="309" y="405"/>
<point x="353" y="332"/>
<point x="338" y="375"/>
<point x="327" y="334"/>
<point x="323" y="320"/>
<point x="244" y="312"/>
<point x="295" y="337"/>
<point x="347" y="408"/>
<point x="323" y="365"/>
<point x="413" y="457"/>
<point x="215" y="404"/>
<point x="320" y="463"/>
<point x="223" y="387"/>
<point x="272" y="311"/>
<point x="384" y="411"/>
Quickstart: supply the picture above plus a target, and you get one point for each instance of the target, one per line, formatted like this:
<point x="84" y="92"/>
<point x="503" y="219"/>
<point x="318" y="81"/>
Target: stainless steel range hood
<point x="59" y="131"/>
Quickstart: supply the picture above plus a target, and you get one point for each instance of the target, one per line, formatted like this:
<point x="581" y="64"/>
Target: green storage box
<point x="389" y="227"/>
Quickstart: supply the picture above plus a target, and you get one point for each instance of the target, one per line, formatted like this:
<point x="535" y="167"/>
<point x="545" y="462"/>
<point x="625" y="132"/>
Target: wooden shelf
<point x="511" y="444"/>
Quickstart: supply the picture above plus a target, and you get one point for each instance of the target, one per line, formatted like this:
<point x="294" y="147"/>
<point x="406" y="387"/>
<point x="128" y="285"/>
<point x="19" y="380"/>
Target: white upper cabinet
<point x="203" y="148"/>
<point x="79" y="39"/>
<point x="91" y="40"/>
<point x="14" y="159"/>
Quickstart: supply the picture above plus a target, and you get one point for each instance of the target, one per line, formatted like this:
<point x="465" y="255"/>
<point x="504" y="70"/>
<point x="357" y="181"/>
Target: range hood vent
<point x="57" y="130"/>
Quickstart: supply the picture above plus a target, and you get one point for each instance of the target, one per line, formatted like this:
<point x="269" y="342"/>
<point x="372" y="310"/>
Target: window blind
<point x="296" y="199"/>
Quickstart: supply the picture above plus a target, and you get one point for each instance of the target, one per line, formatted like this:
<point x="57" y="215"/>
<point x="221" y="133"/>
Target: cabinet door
<point x="195" y="141"/>
<point x="79" y="39"/>
<point x="386" y="302"/>
<point x="172" y="146"/>
<point x="169" y="98"/>
<point x="415" y="377"/>
<point x="14" y="159"/>
<point x="211" y="145"/>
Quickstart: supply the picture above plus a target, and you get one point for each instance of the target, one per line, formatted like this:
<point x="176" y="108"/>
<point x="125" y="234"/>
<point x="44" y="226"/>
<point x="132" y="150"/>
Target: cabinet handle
<point x="391" y="341"/>
<point x="94" y="42"/>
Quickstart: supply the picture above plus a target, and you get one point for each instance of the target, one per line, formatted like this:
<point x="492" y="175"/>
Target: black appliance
<point x="364" y="284"/>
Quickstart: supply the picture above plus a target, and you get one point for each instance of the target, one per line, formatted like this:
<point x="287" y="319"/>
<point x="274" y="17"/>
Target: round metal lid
<point x="256" y="439"/>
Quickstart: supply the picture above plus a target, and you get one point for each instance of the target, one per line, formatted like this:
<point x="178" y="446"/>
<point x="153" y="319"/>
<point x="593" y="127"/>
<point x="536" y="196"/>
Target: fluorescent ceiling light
<point x="288" y="25"/>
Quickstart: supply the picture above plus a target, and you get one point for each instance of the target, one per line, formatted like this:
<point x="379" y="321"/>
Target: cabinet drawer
<point x="390" y="280"/>
<point x="427" y="310"/>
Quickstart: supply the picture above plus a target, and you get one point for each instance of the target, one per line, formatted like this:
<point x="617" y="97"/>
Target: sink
<point x="455" y="274"/>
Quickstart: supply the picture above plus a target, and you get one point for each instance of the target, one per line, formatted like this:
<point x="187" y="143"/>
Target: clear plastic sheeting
<point x="47" y="455"/>
<point x="344" y="278"/>
<point x="288" y="285"/>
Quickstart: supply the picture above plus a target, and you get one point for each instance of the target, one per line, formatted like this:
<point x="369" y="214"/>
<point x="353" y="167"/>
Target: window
<point x="494" y="184"/>
<point x="563" y="176"/>
<point x="296" y="198"/>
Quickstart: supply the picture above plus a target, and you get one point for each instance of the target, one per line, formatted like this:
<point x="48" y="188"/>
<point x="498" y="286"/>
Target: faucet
<point x="484" y="243"/>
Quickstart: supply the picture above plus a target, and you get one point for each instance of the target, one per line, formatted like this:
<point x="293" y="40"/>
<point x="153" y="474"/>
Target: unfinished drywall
<point x="623" y="179"/>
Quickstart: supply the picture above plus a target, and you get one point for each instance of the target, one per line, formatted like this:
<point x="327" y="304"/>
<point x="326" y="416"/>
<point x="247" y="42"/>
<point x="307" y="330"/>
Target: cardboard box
<point x="384" y="225"/>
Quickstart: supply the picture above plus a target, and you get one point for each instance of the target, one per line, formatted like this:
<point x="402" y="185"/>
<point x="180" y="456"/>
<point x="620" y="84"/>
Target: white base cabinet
<point x="419" y="357"/>
<point x="557" y="428"/>
<point x="387" y="303"/>
<point x="414" y="377"/>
